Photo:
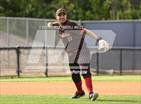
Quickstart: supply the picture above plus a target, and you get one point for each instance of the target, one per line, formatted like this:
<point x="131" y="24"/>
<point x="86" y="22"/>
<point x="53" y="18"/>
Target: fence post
<point x="120" y="61"/>
<point x="46" y="72"/>
<point x="46" y="61"/>
<point x="27" y="31"/>
<point x="97" y="63"/>
<point x="18" y="60"/>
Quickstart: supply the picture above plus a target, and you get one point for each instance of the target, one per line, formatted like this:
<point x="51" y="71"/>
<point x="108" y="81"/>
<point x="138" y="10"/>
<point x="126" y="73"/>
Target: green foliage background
<point x="77" y="9"/>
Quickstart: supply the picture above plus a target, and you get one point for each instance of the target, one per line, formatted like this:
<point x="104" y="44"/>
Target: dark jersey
<point x="67" y="23"/>
<point x="71" y="38"/>
<point x="73" y="41"/>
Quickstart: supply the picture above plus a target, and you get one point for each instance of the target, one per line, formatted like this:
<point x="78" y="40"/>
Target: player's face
<point x="61" y="18"/>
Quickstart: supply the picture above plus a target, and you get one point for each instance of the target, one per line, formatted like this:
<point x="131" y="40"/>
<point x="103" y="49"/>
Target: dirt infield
<point x="67" y="88"/>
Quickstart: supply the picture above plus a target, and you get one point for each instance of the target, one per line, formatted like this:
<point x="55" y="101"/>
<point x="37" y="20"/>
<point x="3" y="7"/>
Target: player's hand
<point x="103" y="46"/>
<point x="49" y="24"/>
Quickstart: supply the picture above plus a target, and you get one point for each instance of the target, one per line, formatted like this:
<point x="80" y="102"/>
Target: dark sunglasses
<point x="61" y="14"/>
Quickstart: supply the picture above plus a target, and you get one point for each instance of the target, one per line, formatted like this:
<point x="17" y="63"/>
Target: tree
<point x="77" y="9"/>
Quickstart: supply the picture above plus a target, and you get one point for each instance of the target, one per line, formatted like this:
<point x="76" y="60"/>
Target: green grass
<point x="57" y="99"/>
<point x="95" y="78"/>
<point x="66" y="99"/>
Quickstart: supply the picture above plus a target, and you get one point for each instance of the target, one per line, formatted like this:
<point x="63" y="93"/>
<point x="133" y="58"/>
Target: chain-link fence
<point x="17" y="36"/>
<point x="14" y="61"/>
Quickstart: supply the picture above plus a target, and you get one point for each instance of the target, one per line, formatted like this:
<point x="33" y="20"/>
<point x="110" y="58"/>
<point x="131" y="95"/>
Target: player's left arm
<point x="102" y="44"/>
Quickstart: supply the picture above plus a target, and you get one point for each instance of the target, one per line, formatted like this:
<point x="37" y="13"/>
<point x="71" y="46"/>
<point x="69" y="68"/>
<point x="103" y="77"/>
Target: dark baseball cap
<point x="60" y="10"/>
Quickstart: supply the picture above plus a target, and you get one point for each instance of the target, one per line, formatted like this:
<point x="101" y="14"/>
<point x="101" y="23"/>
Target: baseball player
<point x="78" y="58"/>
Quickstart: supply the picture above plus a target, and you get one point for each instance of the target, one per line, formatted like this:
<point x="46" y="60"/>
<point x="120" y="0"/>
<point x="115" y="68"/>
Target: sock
<point x="88" y="81"/>
<point x="79" y="86"/>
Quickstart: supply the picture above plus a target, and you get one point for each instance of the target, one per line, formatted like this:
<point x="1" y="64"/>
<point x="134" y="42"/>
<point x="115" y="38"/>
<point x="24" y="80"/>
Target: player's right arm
<point x="52" y="24"/>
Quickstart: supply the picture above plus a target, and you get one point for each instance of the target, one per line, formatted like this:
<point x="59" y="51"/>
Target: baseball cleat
<point x="78" y="95"/>
<point x="93" y="96"/>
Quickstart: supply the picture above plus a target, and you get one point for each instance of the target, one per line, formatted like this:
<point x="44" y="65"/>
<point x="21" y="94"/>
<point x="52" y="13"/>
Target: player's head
<point x="61" y="15"/>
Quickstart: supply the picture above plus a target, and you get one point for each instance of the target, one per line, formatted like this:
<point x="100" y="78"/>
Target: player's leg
<point x="75" y="74"/>
<point x="88" y="81"/>
<point x="87" y="76"/>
